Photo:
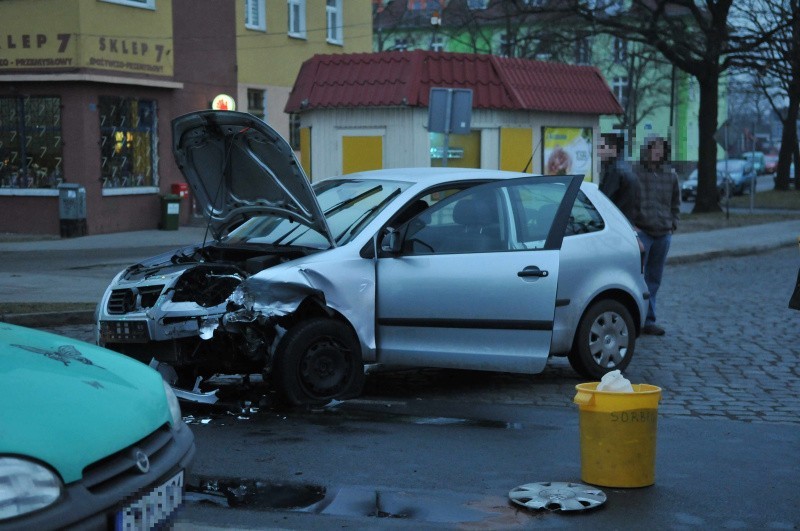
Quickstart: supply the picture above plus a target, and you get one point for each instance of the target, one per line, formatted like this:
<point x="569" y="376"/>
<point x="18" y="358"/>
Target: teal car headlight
<point x="26" y="486"/>
<point x="174" y="406"/>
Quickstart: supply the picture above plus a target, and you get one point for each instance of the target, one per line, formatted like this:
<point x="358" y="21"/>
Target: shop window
<point x="297" y="18"/>
<point x="257" y="102"/>
<point x="30" y="142"/>
<point x="128" y="137"/>
<point x="333" y="10"/>
<point x="255" y="15"/>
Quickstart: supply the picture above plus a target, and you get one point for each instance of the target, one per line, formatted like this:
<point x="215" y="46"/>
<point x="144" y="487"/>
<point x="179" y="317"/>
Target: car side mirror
<point x="391" y="242"/>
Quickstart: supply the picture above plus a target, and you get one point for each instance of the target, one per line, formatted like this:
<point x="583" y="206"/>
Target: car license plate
<point x="154" y="507"/>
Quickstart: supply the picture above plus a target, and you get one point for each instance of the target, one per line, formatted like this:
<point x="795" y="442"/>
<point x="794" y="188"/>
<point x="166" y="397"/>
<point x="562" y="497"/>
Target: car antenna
<point x="525" y="169"/>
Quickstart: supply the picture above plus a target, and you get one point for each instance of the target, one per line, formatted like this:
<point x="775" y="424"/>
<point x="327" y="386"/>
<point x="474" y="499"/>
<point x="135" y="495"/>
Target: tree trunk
<point x="707" y="197"/>
<point x="788" y="144"/>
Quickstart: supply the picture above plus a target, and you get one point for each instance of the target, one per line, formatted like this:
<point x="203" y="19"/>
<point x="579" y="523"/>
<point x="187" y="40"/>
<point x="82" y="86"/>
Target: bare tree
<point x="777" y="67"/>
<point x="695" y="36"/>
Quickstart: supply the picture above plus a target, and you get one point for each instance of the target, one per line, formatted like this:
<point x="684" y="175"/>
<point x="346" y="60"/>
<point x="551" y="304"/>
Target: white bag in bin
<point x="614" y="382"/>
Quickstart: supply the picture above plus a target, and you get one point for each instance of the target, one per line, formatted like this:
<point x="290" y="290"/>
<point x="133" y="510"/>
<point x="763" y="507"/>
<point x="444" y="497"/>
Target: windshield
<point x="348" y="204"/>
<point x="733" y="166"/>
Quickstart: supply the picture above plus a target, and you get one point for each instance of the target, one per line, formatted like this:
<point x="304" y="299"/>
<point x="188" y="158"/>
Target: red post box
<point x="181" y="189"/>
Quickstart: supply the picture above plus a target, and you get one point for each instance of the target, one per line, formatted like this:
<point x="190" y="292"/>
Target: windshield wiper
<point x="365" y="215"/>
<point x="351" y="200"/>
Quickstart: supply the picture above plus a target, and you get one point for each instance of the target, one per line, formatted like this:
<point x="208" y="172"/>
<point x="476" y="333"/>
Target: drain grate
<point x="557" y="496"/>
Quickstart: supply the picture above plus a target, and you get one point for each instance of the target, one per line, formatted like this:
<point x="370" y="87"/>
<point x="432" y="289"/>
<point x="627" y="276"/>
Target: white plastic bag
<point x="614" y="382"/>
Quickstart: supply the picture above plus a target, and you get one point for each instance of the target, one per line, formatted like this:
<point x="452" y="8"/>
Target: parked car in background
<point x="741" y="174"/>
<point x="89" y="439"/>
<point x="770" y="163"/>
<point x="689" y="186"/>
<point x="757" y="159"/>
<point x="438" y="267"/>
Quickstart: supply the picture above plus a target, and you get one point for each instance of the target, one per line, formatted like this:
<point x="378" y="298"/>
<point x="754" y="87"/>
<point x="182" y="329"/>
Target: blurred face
<point x="657" y="151"/>
<point x="606" y="149"/>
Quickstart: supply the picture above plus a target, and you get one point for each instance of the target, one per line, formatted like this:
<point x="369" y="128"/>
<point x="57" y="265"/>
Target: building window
<point x="477" y="4"/>
<point x="297" y="18"/>
<point x="128" y="138"/>
<point x="583" y="51"/>
<point x="437" y="43"/>
<point x="294" y="131"/>
<point x="30" y="142"/>
<point x="257" y="102"/>
<point x="506" y="47"/>
<point x="333" y="10"/>
<point x="401" y="45"/>
<point x="255" y="15"/>
<point x="620" y="50"/>
<point x="146" y="4"/>
<point x="621" y="88"/>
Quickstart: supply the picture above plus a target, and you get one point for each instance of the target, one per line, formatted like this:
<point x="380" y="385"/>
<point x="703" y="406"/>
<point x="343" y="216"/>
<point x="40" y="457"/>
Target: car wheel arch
<point x="619" y="295"/>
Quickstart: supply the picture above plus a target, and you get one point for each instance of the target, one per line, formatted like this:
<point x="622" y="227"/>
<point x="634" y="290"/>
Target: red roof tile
<point x="391" y="79"/>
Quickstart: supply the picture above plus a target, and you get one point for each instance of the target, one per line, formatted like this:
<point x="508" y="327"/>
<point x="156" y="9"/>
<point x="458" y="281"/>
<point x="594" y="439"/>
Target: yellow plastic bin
<point x="618" y="435"/>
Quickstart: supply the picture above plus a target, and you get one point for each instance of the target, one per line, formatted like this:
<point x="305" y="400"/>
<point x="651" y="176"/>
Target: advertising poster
<point x="567" y="151"/>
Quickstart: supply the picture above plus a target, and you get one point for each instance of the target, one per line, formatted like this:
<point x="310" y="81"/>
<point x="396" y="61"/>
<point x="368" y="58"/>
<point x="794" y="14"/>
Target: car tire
<point x="605" y="340"/>
<point x="317" y="361"/>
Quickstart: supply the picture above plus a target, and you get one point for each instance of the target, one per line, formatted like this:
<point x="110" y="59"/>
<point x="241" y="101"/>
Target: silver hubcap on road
<point x="608" y="339"/>
<point x="557" y="496"/>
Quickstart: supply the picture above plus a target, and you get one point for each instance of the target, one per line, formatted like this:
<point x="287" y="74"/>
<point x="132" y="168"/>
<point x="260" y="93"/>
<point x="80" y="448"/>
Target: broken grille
<point x="130" y="299"/>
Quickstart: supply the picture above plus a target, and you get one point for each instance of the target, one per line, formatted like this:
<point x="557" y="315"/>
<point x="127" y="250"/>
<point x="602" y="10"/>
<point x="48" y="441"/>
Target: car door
<point x="471" y="282"/>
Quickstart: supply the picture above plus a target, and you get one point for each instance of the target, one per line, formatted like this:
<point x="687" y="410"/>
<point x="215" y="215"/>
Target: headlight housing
<point x="26" y="486"/>
<point x="174" y="406"/>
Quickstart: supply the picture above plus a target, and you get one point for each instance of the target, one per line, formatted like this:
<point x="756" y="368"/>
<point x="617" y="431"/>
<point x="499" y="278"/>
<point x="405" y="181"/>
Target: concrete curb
<point x="717" y="253"/>
<point x="49" y="318"/>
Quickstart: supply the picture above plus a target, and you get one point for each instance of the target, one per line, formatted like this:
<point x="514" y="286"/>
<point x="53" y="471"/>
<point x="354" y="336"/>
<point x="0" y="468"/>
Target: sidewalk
<point x="685" y="248"/>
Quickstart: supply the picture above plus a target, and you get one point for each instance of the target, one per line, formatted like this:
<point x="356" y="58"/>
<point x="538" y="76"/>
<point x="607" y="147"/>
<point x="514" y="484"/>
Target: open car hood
<point x="237" y="166"/>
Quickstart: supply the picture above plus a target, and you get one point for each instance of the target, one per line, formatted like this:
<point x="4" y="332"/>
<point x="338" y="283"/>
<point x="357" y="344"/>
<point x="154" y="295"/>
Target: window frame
<point x="141" y="4"/>
<point x="114" y="188"/>
<point x="335" y="28"/>
<point x="261" y="23"/>
<point x="620" y="85"/>
<point x="620" y="50"/>
<point x="298" y="21"/>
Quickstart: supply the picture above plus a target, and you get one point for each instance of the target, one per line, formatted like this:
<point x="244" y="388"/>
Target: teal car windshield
<point x="348" y="205"/>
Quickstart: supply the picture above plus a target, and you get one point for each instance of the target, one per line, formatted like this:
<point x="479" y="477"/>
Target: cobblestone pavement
<point x="731" y="350"/>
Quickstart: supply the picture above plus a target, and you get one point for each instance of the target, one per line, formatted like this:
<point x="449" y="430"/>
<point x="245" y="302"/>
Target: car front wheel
<point x="604" y="341"/>
<point x="318" y="360"/>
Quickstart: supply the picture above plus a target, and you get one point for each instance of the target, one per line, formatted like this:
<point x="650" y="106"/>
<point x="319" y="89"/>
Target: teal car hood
<point x="69" y="404"/>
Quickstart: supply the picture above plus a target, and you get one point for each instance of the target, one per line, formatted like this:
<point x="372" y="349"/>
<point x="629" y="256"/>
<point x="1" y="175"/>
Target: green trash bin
<point x="170" y="212"/>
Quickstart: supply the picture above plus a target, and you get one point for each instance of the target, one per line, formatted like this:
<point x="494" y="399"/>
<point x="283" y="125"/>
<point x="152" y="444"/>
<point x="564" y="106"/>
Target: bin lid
<point x="239" y="166"/>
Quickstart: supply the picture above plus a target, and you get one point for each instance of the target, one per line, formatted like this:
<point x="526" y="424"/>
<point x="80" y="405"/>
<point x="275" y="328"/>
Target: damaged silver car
<point x="435" y="267"/>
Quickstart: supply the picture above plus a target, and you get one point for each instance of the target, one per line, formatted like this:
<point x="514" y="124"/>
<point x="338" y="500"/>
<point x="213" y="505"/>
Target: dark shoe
<point x="653" y="330"/>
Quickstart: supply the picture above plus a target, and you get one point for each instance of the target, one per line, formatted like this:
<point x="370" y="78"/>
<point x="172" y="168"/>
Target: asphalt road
<point x="441" y="448"/>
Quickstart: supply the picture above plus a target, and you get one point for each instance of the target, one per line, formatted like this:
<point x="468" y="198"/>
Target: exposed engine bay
<point x="171" y="306"/>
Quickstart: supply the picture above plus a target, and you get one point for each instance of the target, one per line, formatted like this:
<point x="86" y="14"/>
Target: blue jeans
<point x="655" y="256"/>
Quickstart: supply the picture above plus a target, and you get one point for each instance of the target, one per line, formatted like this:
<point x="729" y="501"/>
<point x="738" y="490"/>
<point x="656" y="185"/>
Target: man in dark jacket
<point x="617" y="180"/>
<point x="659" y="213"/>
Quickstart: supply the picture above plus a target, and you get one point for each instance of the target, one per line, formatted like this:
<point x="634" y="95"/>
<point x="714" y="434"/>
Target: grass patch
<point x="45" y="307"/>
<point x="771" y="199"/>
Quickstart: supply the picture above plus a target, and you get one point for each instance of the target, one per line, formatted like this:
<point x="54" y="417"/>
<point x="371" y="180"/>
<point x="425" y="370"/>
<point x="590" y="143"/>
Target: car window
<point x="584" y="217"/>
<point x="348" y="205"/>
<point x="471" y="221"/>
<point x="535" y="205"/>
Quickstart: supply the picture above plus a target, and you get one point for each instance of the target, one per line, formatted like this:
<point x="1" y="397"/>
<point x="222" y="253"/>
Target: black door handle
<point x="532" y="271"/>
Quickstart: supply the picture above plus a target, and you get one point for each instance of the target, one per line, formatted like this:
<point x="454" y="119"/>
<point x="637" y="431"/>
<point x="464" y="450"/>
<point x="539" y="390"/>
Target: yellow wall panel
<point x="516" y="148"/>
<point x="361" y="153"/>
<point x="305" y="150"/>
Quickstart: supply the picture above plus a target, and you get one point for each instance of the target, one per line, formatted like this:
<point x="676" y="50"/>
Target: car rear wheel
<point x="605" y="340"/>
<point x="317" y="361"/>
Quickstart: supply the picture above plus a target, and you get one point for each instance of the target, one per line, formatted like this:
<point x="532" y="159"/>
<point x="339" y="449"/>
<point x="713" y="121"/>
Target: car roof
<point x="435" y="175"/>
